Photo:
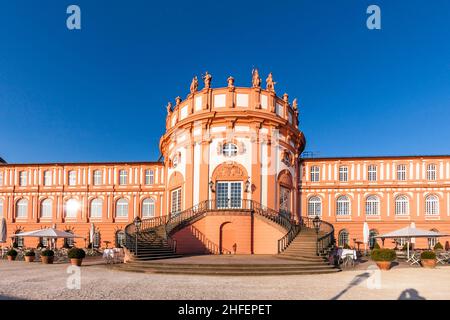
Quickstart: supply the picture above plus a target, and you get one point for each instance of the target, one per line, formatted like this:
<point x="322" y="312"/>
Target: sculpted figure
<point x="169" y="108"/>
<point x="295" y="104"/>
<point x="177" y="101"/>
<point x="256" y="80"/>
<point x="194" y="85"/>
<point x="270" y="84"/>
<point x="286" y="98"/>
<point x="207" y="79"/>
<point x="230" y="82"/>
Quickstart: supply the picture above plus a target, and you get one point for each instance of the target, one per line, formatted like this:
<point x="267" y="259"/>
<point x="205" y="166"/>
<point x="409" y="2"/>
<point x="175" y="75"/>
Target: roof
<point x="377" y="157"/>
<point x="87" y="163"/>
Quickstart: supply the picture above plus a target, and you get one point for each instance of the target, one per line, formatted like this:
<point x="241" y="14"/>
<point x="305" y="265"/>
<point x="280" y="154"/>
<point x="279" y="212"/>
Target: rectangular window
<point x="431" y="172"/>
<point x="372" y="173"/>
<point x="123" y="177"/>
<point x="315" y="174"/>
<point x="47" y="178"/>
<point x="22" y="178"/>
<point x="149" y="177"/>
<point x="401" y="172"/>
<point x="1" y="179"/>
<point x="343" y="174"/>
<point x="176" y="201"/>
<point x="97" y="178"/>
<point x="72" y="178"/>
<point x="1" y="208"/>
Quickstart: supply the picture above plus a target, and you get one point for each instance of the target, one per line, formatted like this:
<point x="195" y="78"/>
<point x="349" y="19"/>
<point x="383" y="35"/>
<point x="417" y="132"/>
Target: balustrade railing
<point x="325" y="236"/>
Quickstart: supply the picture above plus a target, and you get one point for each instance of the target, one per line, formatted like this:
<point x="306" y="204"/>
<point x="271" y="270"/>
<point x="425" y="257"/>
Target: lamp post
<point x="316" y="223"/>
<point x="137" y="223"/>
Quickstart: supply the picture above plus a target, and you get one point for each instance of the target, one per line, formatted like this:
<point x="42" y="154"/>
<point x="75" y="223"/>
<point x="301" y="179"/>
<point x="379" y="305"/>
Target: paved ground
<point x="20" y="280"/>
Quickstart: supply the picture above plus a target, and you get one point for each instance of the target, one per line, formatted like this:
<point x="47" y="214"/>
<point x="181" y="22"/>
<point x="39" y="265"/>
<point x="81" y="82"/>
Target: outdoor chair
<point x="414" y="259"/>
<point x="443" y="257"/>
<point x="346" y="261"/>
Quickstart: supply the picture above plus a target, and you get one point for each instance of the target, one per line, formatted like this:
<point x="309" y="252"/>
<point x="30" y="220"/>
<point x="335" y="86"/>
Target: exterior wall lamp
<point x="211" y="186"/>
<point x="247" y="185"/>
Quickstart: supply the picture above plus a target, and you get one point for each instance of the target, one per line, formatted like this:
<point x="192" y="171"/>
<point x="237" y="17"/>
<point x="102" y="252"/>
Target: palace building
<point x="232" y="180"/>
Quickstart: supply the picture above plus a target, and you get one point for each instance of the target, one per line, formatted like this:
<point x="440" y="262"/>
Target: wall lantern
<point x="247" y="185"/>
<point x="317" y="222"/>
<point x="211" y="186"/>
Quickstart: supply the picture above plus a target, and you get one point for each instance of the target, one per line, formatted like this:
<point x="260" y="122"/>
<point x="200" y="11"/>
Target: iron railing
<point x="325" y="236"/>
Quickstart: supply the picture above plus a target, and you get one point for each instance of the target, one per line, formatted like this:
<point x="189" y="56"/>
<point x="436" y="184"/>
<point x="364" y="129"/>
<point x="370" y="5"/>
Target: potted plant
<point x="30" y="256"/>
<point x="76" y="256"/>
<point x="438" y="246"/>
<point x="11" y="254"/>
<point x="428" y="259"/>
<point x="47" y="256"/>
<point x="383" y="258"/>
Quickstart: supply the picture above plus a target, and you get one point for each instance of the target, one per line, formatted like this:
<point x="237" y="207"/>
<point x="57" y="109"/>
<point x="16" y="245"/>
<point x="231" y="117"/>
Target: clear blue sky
<point x="99" y="94"/>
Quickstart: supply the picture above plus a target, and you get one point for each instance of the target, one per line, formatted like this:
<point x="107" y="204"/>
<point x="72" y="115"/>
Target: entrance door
<point x="285" y="201"/>
<point x="229" y="195"/>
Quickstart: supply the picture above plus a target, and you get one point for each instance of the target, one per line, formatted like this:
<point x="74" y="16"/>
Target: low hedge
<point x="47" y="253"/>
<point x="12" y="253"/>
<point x="428" y="255"/>
<point x="383" y="255"/>
<point x="76" y="253"/>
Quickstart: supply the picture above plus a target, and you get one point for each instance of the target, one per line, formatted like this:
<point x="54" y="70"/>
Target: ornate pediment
<point x="230" y="171"/>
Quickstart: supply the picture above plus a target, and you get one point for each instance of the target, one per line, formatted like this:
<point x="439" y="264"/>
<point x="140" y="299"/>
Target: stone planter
<point x="11" y="258"/>
<point x="76" y="262"/>
<point x="383" y="265"/>
<point x="428" y="263"/>
<point x="29" y="258"/>
<point x="47" y="260"/>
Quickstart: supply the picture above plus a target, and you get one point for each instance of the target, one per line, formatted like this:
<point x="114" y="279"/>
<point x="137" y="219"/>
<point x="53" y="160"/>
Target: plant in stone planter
<point x="30" y="255"/>
<point x="76" y="256"/>
<point x="383" y="258"/>
<point x="438" y="246"/>
<point x="428" y="259"/>
<point x="11" y="254"/>
<point x="47" y="256"/>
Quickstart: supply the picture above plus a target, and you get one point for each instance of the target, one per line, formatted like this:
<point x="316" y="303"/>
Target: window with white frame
<point x="229" y="149"/>
<point x="120" y="239"/>
<point x="47" y="178"/>
<point x="22" y="178"/>
<point x="1" y="208"/>
<point x="315" y="174"/>
<point x="149" y="177"/>
<point x="401" y="206"/>
<point x="401" y="172"/>
<point x="71" y="208"/>
<point x="18" y="241"/>
<point x="148" y="208"/>
<point x="431" y="172"/>
<point x="176" y="201"/>
<point x="372" y="206"/>
<point x="372" y="173"/>
<point x="97" y="179"/>
<point x="72" y="178"/>
<point x="433" y="241"/>
<point x="343" y="173"/>
<point x="122" y="208"/>
<point x="46" y="208"/>
<point x="96" y="209"/>
<point x="432" y="205"/>
<point x="22" y="209"/>
<point x="1" y="178"/>
<point x="314" y="206"/>
<point x="343" y="238"/>
<point x="123" y="177"/>
<point x="343" y="206"/>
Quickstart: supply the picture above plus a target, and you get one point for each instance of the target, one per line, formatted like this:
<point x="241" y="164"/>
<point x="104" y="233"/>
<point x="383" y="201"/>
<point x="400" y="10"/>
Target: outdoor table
<point x="108" y="254"/>
<point x="342" y="253"/>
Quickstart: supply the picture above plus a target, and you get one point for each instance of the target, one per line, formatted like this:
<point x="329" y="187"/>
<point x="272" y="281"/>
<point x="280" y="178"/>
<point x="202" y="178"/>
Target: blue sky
<point x="99" y="94"/>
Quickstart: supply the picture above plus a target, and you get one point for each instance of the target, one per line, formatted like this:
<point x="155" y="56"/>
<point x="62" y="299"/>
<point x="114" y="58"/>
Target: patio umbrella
<point x="366" y="234"/>
<point x="413" y="225"/>
<point x="3" y="231"/>
<point x="91" y="234"/>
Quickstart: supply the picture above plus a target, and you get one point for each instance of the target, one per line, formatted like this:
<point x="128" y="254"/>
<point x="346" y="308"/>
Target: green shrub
<point x="383" y="255"/>
<point x="405" y="247"/>
<point x="438" y="246"/>
<point x="428" y="255"/>
<point x="76" y="253"/>
<point x="376" y="245"/>
<point x="47" y="253"/>
<point x="30" y="253"/>
<point x="346" y="246"/>
<point x="12" y="253"/>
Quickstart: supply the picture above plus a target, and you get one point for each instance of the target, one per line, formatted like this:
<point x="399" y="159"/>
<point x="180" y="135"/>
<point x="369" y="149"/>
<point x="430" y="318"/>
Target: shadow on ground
<point x="410" y="294"/>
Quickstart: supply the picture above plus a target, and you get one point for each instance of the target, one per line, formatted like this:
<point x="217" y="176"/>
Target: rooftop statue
<point x="194" y="85"/>
<point x="207" y="79"/>
<point x="230" y="82"/>
<point x="270" y="84"/>
<point x="256" y="80"/>
<point x="295" y="104"/>
<point x="169" y="108"/>
<point x="177" y="101"/>
<point x="286" y="98"/>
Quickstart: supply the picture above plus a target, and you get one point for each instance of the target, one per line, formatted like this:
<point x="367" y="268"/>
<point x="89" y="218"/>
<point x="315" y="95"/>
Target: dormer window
<point x="229" y="150"/>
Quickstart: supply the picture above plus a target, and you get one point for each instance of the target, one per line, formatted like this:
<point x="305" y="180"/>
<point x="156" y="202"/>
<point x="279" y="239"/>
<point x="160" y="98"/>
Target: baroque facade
<point x="231" y="148"/>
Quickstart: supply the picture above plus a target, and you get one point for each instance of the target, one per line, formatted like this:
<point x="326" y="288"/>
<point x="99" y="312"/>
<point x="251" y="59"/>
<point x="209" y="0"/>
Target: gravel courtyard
<point x="20" y="280"/>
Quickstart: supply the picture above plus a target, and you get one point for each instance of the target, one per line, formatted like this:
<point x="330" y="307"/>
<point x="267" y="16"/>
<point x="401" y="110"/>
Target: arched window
<point x="343" y="238"/>
<point x="46" y="208"/>
<point x="432" y="241"/>
<point x="148" y="208"/>
<point x="343" y="206"/>
<point x="402" y="206"/>
<point x="372" y="234"/>
<point x="314" y="206"/>
<point x="96" y="208"/>
<point x="96" y="240"/>
<point x="122" y="208"/>
<point x="229" y="149"/>
<point x="72" y="207"/>
<point x="372" y="206"/>
<point x="97" y="180"/>
<point x="432" y="205"/>
<point x="431" y="172"/>
<point x="120" y="239"/>
<point x="22" y="209"/>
